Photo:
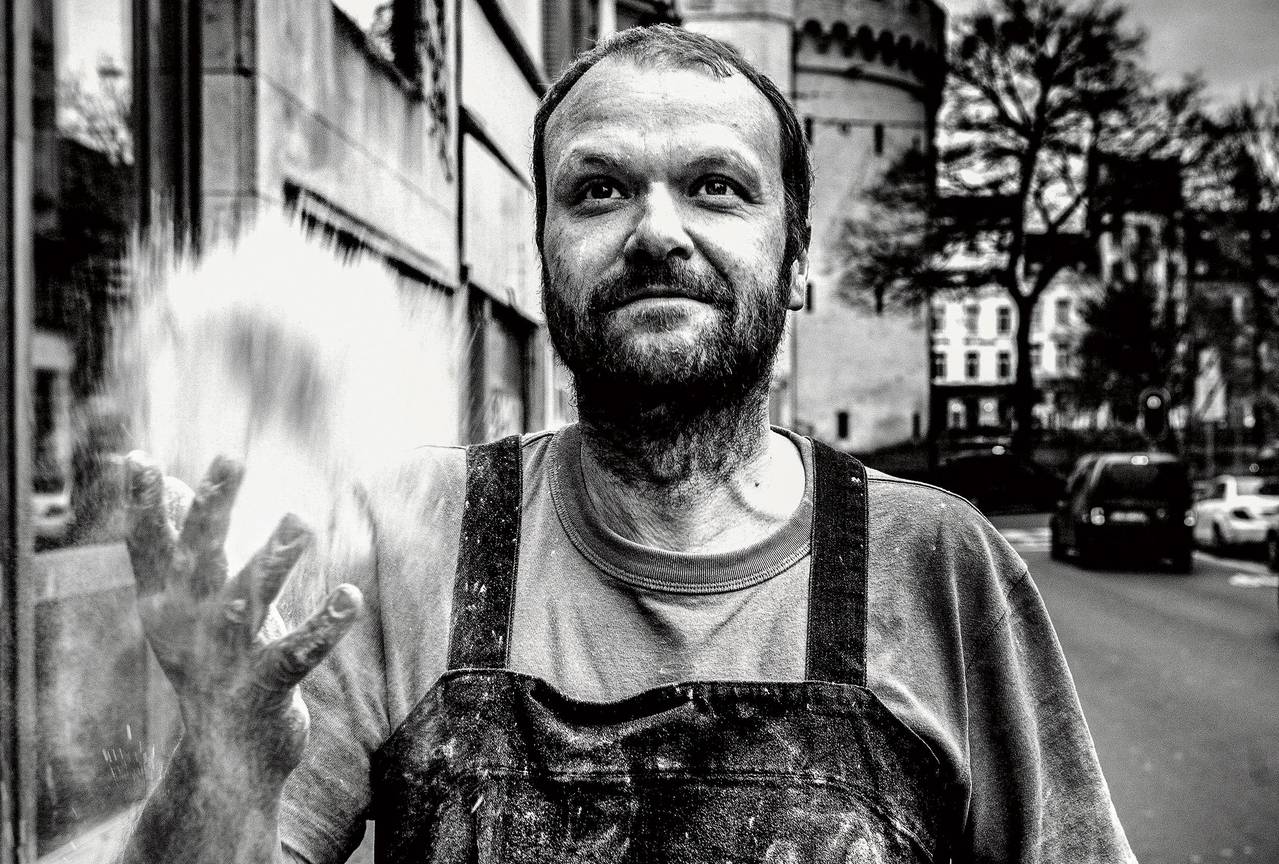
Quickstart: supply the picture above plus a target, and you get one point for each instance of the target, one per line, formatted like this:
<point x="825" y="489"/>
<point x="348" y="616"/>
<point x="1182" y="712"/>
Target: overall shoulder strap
<point x="487" y="557"/>
<point x="838" y="583"/>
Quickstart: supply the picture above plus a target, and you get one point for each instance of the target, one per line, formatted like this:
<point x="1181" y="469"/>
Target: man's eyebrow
<point x="583" y="159"/>
<point x="722" y="157"/>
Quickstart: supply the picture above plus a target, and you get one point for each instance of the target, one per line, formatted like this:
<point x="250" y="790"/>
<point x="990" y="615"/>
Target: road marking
<point x="1254" y="580"/>
<point x="1039" y="540"/>
<point x="1028" y="539"/>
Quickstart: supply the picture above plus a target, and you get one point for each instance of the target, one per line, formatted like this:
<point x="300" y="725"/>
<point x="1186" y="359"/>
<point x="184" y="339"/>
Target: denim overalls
<point x="497" y="766"/>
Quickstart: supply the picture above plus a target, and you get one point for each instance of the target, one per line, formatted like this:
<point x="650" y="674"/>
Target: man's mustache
<point x="664" y="279"/>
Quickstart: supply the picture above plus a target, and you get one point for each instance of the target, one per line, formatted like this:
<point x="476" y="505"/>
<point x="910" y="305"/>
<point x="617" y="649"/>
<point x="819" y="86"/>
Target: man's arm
<point x="1038" y="794"/>
<point x="244" y="721"/>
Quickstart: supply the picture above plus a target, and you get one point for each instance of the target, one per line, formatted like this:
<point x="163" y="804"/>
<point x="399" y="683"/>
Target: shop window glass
<point x="103" y="716"/>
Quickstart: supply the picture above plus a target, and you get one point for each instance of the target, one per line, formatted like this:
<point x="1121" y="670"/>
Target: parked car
<point x="997" y="482"/>
<point x="1272" y="543"/>
<point x="1236" y="510"/>
<point x="1125" y="505"/>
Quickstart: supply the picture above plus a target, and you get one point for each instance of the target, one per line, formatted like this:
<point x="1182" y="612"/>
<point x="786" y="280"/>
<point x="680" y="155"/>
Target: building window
<point x="1037" y="318"/>
<point x="971" y="313"/>
<point x="1062" y="312"/>
<point x="1065" y="358"/>
<point x="879" y="139"/>
<point x="1005" y="364"/>
<point x="956" y="415"/>
<point x="971" y="366"/>
<point x="1036" y="357"/>
<point x="809" y="296"/>
<point x="1004" y="320"/>
<point x="939" y="318"/>
<point x="841" y="425"/>
<point x="939" y="366"/>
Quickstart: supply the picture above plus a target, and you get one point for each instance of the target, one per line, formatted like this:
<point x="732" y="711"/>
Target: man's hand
<point x="245" y="722"/>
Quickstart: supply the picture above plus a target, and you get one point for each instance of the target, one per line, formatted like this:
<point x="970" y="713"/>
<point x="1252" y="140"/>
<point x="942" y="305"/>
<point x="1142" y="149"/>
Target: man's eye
<point x="715" y="186"/>
<point x="599" y="190"/>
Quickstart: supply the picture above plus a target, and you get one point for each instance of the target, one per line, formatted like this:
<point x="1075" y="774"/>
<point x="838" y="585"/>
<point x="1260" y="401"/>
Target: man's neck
<point x="691" y="494"/>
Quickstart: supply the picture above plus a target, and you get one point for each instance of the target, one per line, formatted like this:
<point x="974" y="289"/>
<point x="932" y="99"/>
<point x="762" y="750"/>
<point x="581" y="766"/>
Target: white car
<point x="1236" y="510"/>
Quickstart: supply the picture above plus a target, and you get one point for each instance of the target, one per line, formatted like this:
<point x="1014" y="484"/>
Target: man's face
<point x="665" y="229"/>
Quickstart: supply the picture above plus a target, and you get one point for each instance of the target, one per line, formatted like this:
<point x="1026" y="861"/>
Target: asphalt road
<point x="1179" y="679"/>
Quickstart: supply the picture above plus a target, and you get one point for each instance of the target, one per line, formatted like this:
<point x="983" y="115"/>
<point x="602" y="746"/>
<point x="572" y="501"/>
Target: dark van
<point x="1126" y="505"/>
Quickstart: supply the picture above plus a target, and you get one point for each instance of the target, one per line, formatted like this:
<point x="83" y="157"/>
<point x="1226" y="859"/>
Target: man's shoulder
<point x="894" y="492"/>
<point x="941" y="533"/>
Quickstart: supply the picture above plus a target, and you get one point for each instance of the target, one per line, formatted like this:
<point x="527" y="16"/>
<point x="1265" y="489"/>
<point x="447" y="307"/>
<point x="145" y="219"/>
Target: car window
<point x="1077" y="476"/>
<point x="1218" y="490"/>
<point x="1270" y="486"/>
<point x="1254" y="485"/>
<point x="1162" y="480"/>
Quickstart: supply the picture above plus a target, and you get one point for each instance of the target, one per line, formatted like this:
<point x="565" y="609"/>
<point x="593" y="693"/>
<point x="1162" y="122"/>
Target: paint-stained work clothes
<point x="959" y="649"/>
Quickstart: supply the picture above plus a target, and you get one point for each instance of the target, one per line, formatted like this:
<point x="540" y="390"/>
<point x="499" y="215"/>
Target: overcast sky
<point x="1234" y="42"/>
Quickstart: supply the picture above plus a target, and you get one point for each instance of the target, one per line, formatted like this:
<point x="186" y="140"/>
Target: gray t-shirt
<point x="959" y="646"/>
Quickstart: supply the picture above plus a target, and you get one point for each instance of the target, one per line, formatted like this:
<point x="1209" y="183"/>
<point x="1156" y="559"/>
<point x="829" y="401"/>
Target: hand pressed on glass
<point x="245" y="723"/>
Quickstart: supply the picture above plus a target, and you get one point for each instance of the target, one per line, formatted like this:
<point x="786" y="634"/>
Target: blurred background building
<point x="866" y="77"/>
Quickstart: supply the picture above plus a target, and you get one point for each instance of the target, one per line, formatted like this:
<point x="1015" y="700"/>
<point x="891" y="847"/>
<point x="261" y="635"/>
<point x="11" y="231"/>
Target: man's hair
<point x="683" y="49"/>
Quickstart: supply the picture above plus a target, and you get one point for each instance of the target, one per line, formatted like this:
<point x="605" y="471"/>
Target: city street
<point x="1179" y="679"/>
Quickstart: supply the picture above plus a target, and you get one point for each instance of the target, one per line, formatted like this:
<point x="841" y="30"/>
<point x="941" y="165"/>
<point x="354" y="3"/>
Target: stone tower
<point x="865" y="77"/>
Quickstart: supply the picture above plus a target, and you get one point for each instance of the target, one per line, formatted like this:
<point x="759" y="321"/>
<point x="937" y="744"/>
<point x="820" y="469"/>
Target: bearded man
<point x="669" y="632"/>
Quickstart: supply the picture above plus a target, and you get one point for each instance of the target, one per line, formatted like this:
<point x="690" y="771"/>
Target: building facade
<point x="974" y="361"/>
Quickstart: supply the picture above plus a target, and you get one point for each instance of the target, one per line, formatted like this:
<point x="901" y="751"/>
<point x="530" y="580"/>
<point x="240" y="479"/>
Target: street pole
<point x="1210" y="457"/>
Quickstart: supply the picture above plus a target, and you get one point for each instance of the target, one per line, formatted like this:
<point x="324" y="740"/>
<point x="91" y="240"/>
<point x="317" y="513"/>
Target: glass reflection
<point x="96" y="722"/>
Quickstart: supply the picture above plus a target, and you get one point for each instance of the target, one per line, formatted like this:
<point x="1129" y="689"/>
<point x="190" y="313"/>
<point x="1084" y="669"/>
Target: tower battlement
<point x="902" y="39"/>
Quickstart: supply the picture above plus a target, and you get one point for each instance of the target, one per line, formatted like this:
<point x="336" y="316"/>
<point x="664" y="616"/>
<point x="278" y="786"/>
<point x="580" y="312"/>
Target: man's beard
<point x="662" y="414"/>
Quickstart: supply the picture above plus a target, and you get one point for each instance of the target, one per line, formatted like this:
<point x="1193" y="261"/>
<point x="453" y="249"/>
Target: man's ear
<point x="798" y="282"/>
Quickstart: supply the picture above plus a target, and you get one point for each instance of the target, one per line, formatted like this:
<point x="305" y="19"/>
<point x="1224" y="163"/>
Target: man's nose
<point x="659" y="234"/>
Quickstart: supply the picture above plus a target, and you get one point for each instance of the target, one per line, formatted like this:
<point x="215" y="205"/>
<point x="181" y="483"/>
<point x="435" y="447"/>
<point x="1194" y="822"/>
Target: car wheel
<point x="1272" y="552"/>
<point x="1086" y="555"/>
<point x="1055" y="549"/>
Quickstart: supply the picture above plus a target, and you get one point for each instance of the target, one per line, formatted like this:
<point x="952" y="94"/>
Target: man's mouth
<point x="661" y="292"/>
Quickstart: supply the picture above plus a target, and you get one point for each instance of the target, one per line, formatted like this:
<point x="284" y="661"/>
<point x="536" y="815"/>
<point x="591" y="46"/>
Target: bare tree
<point x="1037" y="90"/>
<point x="1247" y="165"/>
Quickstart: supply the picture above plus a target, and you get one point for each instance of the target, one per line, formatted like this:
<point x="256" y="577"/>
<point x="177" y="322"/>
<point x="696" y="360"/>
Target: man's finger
<point x="289" y="659"/>
<point x="256" y="586"/>
<point x="150" y="537"/>
<point x="205" y="529"/>
<point x="210" y="516"/>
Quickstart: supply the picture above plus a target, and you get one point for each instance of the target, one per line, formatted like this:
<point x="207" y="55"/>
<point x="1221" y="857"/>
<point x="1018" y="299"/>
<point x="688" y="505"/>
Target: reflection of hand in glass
<point x="245" y="723"/>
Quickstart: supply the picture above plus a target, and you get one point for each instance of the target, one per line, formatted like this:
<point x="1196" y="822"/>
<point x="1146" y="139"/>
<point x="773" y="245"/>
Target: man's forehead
<point x="623" y="94"/>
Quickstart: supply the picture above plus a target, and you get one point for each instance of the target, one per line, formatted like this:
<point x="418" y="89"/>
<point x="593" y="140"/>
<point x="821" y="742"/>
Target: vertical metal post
<point x="8" y="532"/>
<point x="17" y="684"/>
